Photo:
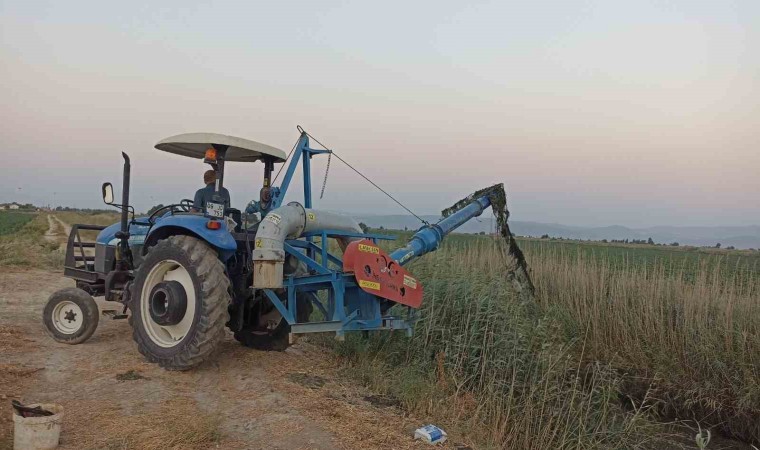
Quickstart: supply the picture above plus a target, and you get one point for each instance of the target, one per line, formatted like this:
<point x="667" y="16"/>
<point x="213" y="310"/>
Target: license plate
<point x="214" y="209"/>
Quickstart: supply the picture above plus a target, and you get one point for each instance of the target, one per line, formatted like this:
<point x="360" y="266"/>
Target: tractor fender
<point x="192" y="225"/>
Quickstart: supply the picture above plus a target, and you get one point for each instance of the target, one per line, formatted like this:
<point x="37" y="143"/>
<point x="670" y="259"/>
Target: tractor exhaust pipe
<point x="290" y="222"/>
<point x="123" y="234"/>
<point x="125" y="194"/>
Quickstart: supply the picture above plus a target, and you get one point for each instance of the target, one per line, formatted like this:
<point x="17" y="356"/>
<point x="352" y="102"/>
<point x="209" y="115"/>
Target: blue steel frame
<point x="345" y="307"/>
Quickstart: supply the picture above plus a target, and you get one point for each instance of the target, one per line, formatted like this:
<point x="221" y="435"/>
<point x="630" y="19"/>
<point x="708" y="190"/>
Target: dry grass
<point x="177" y="424"/>
<point x="611" y="350"/>
<point x="488" y="367"/>
<point x="339" y="405"/>
<point x="29" y="248"/>
<point x="696" y="342"/>
<point x="104" y="219"/>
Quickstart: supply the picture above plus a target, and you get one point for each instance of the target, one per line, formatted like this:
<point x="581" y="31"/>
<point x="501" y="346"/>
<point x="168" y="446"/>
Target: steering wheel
<point x="185" y="205"/>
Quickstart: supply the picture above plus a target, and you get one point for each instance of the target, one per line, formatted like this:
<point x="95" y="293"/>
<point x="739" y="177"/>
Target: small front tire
<point x="71" y="316"/>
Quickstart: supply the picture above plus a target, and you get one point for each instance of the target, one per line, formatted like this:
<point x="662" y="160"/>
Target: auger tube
<point x="429" y="237"/>
<point x="290" y="222"/>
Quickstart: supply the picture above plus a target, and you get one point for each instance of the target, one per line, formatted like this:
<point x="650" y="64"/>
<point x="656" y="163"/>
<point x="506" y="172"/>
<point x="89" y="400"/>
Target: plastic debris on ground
<point x="430" y="434"/>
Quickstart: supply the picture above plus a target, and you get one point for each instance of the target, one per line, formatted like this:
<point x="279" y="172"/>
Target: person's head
<point x="209" y="176"/>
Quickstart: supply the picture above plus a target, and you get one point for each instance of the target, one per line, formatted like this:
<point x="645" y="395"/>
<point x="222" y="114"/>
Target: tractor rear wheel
<point x="179" y="303"/>
<point x="267" y="329"/>
<point x="70" y="316"/>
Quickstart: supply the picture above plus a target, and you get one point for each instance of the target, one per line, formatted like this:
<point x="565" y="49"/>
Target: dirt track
<point x="241" y="399"/>
<point x="58" y="230"/>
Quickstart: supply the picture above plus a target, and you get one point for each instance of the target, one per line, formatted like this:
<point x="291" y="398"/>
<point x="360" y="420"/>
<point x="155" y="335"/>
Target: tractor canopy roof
<point x="195" y="145"/>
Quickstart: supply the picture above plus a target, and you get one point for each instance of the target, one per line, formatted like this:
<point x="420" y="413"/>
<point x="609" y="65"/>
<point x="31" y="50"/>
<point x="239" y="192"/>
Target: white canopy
<point x="195" y="145"/>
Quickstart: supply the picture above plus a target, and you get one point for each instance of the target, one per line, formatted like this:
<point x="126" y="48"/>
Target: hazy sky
<point x="591" y="112"/>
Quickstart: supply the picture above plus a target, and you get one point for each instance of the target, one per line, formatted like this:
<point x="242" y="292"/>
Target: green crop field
<point x="10" y="222"/>
<point x="675" y="261"/>
<point x="686" y="261"/>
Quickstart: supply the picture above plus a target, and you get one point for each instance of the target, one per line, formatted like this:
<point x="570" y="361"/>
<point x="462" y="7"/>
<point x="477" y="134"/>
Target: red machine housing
<point x="379" y="275"/>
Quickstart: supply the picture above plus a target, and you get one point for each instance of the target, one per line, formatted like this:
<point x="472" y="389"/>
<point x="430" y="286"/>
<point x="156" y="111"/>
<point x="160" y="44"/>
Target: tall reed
<point x="486" y="364"/>
<point x="693" y="337"/>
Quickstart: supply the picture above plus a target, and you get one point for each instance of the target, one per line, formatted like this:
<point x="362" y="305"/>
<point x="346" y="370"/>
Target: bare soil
<point x="242" y="398"/>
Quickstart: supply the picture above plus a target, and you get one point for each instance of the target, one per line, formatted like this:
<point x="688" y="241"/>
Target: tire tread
<point x="214" y="300"/>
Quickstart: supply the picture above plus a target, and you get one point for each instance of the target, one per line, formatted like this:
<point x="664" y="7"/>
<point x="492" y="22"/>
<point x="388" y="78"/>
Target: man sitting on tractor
<point x="204" y="195"/>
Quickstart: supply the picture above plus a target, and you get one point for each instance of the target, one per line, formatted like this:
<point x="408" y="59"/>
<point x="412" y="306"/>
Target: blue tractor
<point x="183" y="274"/>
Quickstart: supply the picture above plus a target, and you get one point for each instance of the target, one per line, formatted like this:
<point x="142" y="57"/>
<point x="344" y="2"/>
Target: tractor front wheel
<point x="70" y="316"/>
<point x="179" y="303"/>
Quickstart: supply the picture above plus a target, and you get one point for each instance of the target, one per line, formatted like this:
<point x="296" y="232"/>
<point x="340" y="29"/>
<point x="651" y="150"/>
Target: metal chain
<point x="327" y="170"/>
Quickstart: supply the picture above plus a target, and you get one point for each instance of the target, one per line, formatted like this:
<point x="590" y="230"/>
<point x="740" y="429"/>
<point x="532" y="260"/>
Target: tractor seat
<point x="195" y="145"/>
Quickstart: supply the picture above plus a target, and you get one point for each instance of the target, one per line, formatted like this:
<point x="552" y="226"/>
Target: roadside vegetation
<point x="26" y="245"/>
<point x="91" y="218"/>
<point x="624" y="348"/>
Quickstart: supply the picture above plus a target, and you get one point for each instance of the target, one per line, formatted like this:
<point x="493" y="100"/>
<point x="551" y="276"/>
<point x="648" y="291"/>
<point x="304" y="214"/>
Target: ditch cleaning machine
<point x="183" y="274"/>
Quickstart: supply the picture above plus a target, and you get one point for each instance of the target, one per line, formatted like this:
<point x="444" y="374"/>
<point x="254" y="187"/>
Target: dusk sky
<point x="635" y="113"/>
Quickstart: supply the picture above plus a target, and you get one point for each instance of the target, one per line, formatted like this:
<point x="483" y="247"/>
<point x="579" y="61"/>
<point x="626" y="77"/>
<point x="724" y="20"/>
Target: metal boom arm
<point x="429" y="237"/>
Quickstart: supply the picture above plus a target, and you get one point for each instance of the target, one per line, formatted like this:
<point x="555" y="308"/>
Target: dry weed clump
<point x="177" y="424"/>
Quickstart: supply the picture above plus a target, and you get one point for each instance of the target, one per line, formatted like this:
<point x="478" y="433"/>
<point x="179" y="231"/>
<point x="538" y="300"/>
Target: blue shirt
<point x="204" y="195"/>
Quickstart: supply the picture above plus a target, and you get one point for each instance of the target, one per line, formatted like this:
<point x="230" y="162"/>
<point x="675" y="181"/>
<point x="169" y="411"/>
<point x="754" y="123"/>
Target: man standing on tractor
<point x="204" y="195"/>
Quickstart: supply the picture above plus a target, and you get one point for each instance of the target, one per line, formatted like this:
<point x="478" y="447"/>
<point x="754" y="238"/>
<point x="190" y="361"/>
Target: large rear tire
<point x="275" y="335"/>
<point x="179" y="303"/>
<point x="71" y="316"/>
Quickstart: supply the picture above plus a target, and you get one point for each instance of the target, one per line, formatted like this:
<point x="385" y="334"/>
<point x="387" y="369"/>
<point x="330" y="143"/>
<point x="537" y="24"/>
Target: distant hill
<point x="739" y="237"/>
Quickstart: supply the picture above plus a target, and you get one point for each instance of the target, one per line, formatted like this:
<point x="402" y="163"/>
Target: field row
<point x="11" y="222"/>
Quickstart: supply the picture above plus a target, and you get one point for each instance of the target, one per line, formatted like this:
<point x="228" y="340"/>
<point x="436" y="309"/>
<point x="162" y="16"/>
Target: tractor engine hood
<point x="137" y="233"/>
<point x="290" y="222"/>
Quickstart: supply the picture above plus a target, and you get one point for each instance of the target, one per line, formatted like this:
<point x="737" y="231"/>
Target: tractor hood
<point x="137" y="233"/>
